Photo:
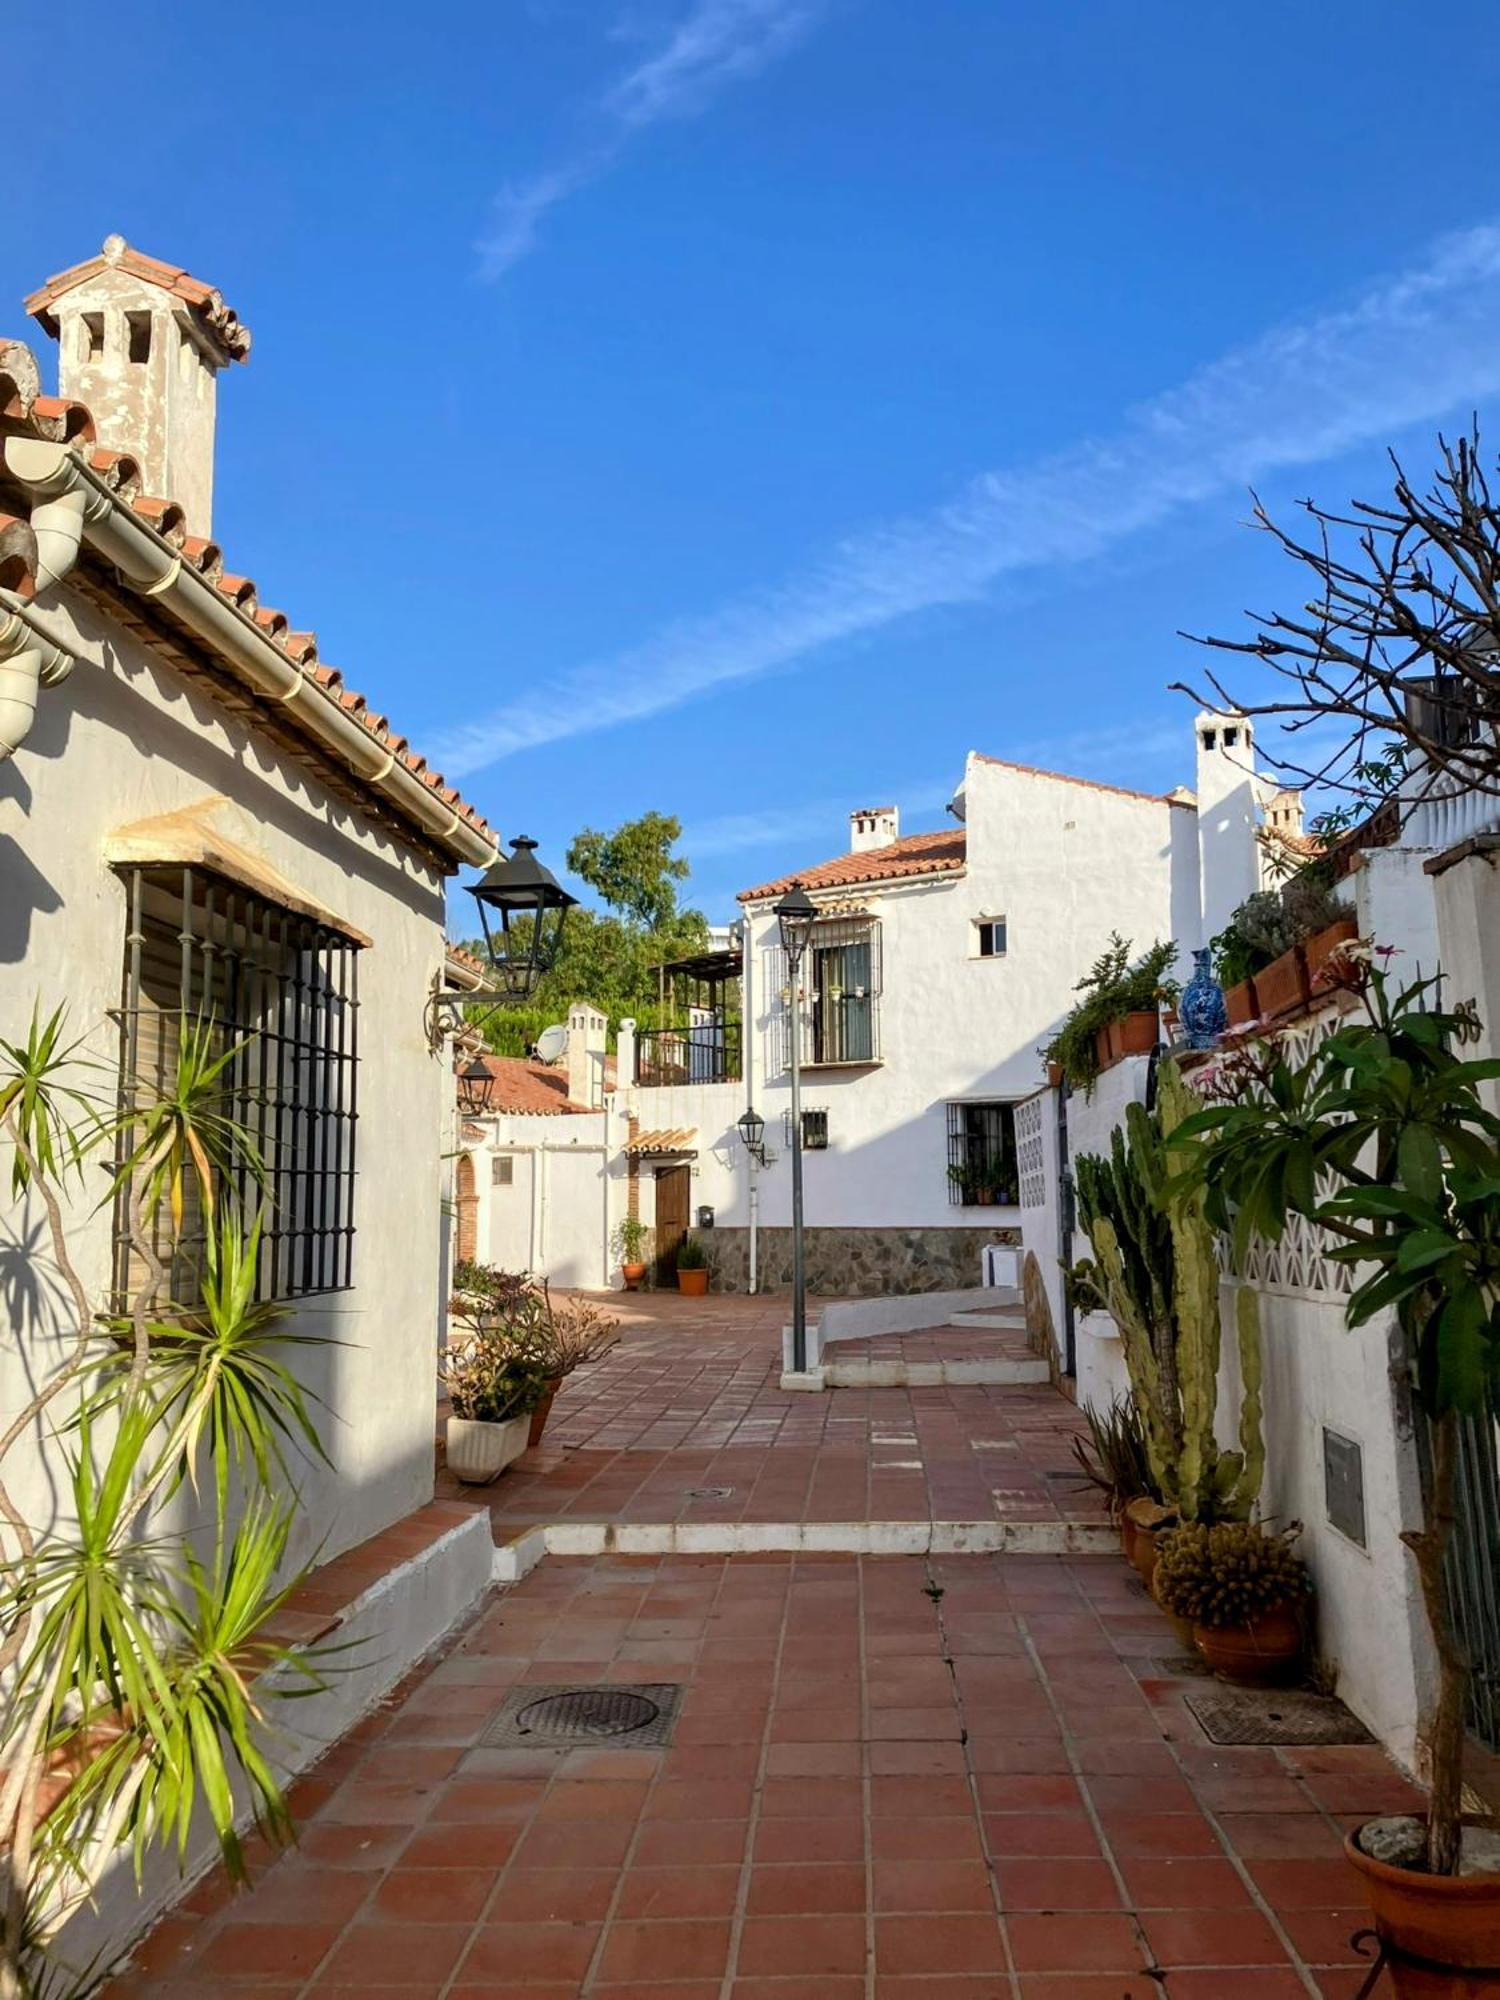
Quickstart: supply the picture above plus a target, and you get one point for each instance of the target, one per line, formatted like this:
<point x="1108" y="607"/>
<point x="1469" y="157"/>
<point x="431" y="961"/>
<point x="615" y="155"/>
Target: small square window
<point x="991" y="934"/>
<point x="1231" y="737"/>
<point x="502" y="1170"/>
<point x="91" y="335"/>
<point x="138" y="336"/>
<point x="1210" y="737"/>
<point x="815" y="1131"/>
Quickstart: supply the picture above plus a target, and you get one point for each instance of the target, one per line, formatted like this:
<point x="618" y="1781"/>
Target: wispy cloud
<point x="1409" y="349"/>
<point x="715" y="43"/>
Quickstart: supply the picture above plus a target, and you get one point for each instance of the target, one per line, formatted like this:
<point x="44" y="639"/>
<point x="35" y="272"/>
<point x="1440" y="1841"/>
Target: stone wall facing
<point x="854" y="1263"/>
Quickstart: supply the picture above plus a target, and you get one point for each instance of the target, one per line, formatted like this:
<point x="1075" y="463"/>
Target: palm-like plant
<point x="1382" y="1136"/>
<point x="140" y="1677"/>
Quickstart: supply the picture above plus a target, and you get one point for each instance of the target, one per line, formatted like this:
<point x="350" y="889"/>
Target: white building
<point x="196" y="812"/>
<point x="941" y="963"/>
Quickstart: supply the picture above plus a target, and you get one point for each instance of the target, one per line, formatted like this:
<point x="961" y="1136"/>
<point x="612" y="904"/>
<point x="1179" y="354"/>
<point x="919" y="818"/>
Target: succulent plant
<point x="1228" y="1574"/>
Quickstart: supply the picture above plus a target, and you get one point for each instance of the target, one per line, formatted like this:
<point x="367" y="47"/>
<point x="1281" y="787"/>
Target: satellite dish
<point x="552" y="1044"/>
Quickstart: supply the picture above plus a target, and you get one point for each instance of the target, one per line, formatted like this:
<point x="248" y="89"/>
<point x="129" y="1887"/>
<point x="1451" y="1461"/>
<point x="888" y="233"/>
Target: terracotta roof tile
<point x="939" y="853"/>
<point x="206" y="303"/>
<point x="524" y="1085"/>
<point x="1067" y="778"/>
<point x="70" y="423"/>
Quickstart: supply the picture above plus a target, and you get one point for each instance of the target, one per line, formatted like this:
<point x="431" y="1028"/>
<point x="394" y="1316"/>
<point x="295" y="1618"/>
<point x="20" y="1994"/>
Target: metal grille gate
<point x="1474" y="1574"/>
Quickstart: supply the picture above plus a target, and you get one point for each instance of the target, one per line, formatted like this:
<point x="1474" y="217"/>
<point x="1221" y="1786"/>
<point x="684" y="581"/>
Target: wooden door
<point x="673" y="1192"/>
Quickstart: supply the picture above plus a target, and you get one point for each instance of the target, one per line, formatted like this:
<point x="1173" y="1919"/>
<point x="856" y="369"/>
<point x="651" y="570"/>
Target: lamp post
<point x="796" y="914"/>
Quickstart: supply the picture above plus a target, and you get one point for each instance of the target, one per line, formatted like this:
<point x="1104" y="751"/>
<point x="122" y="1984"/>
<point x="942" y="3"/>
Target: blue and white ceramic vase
<point x="1201" y="1008"/>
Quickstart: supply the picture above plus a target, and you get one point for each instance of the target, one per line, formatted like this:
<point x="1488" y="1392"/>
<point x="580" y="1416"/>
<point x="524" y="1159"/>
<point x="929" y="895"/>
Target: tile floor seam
<point x="752" y="1826"/>
<point x="1253" y="1888"/>
<point x="1080" y="1779"/>
<point x="866" y="1780"/>
<point x="971" y="1776"/>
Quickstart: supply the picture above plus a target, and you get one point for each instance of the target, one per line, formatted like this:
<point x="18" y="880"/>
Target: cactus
<point x="1157" y="1257"/>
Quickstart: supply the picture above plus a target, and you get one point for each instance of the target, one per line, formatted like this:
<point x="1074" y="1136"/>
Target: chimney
<point x="1228" y="816"/>
<point x="873" y="826"/>
<point x="142" y="343"/>
<point x="588" y="1031"/>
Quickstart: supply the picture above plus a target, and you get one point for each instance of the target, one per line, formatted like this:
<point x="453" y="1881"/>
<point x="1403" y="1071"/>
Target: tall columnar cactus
<point x="1158" y="1268"/>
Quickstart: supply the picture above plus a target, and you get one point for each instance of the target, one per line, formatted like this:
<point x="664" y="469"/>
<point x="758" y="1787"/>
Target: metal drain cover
<point x="708" y="1492"/>
<point x="562" y="1717"/>
<point x="1274" y="1715"/>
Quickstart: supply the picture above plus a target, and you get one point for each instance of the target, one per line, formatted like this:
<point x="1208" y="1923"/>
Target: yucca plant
<point x="137" y="1685"/>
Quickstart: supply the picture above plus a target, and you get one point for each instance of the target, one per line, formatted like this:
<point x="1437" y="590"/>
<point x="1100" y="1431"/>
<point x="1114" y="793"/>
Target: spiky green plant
<point x="134" y="1670"/>
<point x="1157" y="1267"/>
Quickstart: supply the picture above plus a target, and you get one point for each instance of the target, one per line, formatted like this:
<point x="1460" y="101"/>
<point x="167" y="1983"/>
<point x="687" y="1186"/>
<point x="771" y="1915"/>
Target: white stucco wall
<point x="565" y="1195"/>
<point x="125" y="739"/>
<point x="1065" y="863"/>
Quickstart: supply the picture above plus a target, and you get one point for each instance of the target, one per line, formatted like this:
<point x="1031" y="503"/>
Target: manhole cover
<point x="708" y="1492"/>
<point x="560" y="1717"/>
<point x="1274" y="1715"/>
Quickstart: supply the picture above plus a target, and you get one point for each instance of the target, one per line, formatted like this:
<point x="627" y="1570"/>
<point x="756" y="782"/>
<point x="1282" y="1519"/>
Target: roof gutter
<point x="149" y="565"/>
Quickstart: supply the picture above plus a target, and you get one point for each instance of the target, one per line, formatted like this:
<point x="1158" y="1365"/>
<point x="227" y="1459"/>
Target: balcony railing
<point x="706" y="1053"/>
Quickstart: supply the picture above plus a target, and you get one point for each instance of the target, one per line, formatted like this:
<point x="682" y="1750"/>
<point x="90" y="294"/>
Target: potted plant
<point x="1381" y="1136"/>
<point x="692" y="1268"/>
<point x="630" y="1247"/>
<point x="1114" y="1458"/>
<point x="1322" y="923"/>
<point x="577" y="1332"/>
<point x="1256" y="960"/>
<point x="1242" y="1590"/>
<point x="1118" y="1013"/>
<point x="494" y="1383"/>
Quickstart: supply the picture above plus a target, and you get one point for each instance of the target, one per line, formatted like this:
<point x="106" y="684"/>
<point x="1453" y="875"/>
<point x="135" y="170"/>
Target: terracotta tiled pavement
<point x="690" y="1398"/>
<point x="891" y="1780"/>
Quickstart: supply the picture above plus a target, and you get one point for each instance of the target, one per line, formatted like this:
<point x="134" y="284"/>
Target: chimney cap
<point x="219" y="323"/>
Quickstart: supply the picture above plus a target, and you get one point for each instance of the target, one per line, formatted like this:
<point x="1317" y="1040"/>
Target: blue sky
<point x="742" y="408"/>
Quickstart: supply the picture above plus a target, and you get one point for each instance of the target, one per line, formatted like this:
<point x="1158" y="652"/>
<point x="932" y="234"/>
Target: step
<point x="523" y="1549"/>
<point x="1009" y="1322"/>
<point x="859" y="1372"/>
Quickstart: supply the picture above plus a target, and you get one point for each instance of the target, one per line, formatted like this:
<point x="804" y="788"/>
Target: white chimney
<point x="588" y="1033"/>
<point x="873" y="826"/>
<point x="1228" y="819"/>
<point x="142" y="343"/>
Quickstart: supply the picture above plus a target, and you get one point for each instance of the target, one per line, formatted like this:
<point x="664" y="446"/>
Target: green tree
<point x="634" y="869"/>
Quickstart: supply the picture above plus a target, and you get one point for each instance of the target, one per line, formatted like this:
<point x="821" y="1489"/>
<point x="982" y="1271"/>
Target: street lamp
<point x="752" y="1129"/>
<point x="796" y="914"/>
<point x="476" y="1088"/>
<point x="531" y="907"/>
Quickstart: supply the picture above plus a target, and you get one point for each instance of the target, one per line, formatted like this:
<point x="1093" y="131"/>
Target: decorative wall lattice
<point x="1300" y="1261"/>
<point x="1029" y="1152"/>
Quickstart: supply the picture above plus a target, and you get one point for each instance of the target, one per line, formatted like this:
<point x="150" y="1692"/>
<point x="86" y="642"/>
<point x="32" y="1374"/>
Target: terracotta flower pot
<point x="1267" y="1649"/>
<point x="632" y="1274"/>
<point x="1281" y="987"/>
<point x="1240" y="1003"/>
<point x="479" y="1452"/>
<point x="692" y="1283"/>
<point x="1104" y="1048"/>
<point x="541" y="1413"/>
<point x="1055" y="1074"/>
<point x="1450" y="1921"/>
<point x="1146" y="1519"/>
<point x="1137" y="1034"/>
<point x="1318" y="950"/>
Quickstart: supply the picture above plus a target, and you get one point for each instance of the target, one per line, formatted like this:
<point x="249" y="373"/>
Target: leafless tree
<point x="1394" y="662"/>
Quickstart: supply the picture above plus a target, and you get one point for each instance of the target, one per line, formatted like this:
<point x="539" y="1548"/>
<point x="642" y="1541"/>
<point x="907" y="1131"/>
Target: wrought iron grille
<point x="983" y="1163"/>
<point x="281" y="990"/>
<point x="706" y="1052"/>
<point x="839" y="1015"/>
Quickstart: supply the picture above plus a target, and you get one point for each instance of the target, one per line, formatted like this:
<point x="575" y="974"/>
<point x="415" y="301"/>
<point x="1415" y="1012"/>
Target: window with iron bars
<point x="281" y="990"/>
<point x="840" y="1011"/>
<point x="983" y="1165"/>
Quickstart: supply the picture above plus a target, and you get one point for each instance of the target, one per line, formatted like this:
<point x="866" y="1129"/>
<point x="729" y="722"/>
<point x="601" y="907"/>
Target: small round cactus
<point x="1229" y="1574"/>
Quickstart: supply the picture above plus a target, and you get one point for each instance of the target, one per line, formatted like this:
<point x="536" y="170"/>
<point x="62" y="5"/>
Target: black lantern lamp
<point x="523" y="908"/>
<point x="476" y="1088"/>
<point x="752" y="1129"/>
<point x="796" y="914"/>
